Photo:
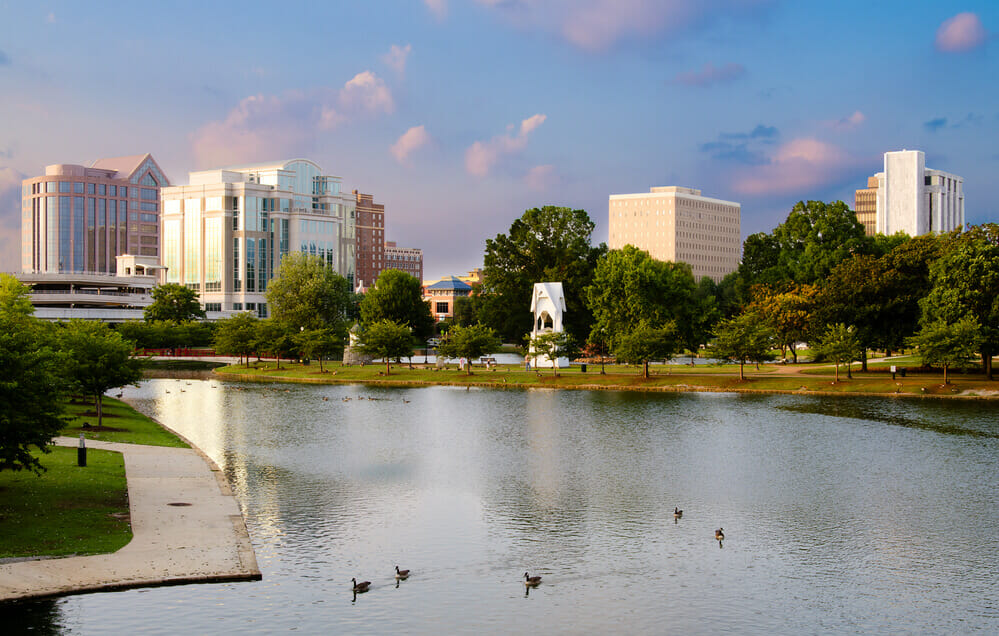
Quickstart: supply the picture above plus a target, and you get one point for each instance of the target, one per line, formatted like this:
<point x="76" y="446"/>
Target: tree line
<point x="815" y="279"/>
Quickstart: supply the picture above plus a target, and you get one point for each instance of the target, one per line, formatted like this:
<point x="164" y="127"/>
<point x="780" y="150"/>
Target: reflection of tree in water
<point x="32" y="617"/>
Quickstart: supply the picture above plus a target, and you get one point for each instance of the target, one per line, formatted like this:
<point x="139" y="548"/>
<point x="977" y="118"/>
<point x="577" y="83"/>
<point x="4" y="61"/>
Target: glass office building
<point x="225" y="233"/>
<point x="80" y="219"/>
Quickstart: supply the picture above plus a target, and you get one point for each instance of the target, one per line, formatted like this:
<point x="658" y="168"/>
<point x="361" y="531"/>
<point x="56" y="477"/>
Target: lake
<point x="845" y="514"/>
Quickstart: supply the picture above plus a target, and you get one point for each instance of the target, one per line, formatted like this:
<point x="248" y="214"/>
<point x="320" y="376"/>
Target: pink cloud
<point x="437" y="7"/>
<point x="541" y="178"/>
<point x="410" y="141"/>
<point x="263" y="127"/>
<point x="596" y="25"/>
<point x="796" y="167"/>
<point x="847" y="123"/>
<point x="367" y="92"/>
<point x="396" y="57"/>
<point x="963" y="32"/>
<point x="482" y="155"/>
<point x="711" y="74"/>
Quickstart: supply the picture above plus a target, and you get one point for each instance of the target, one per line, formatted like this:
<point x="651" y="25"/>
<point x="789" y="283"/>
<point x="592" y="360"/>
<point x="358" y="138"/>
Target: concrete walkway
<point x="201" y="542"/>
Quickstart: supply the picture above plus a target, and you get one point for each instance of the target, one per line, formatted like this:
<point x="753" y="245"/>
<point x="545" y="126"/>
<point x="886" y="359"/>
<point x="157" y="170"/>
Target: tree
<point x="840" y="344"/>
<point x="965" y="282"/>
<point x="316" y="344"/>
<point x="277" y="338"/>
<point x="787" y="312"/>
<point x="553" y="345"/>
<point x="387" y="340"/>
<point x="469" y="342"/>
<point x="172" y="301"/>
<point x="814" y="238"/>
<point x="745" y="338"/>
<point x="630" y="288"/>
<point x="646" y="343"/>
<point x="98" y="359"/>
<point x="307" y="293"/>
<point x="237" y="335"/>
<point x="32" y="383"/>
<point x="546" y="244"/>
<point x="948" y="344"/>
<point x="398" y="296"/>
<point x="698" y="316"/>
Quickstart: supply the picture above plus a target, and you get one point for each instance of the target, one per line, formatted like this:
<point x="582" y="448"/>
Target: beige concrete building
<point x="678" y="224"/>
<point x="405" y="259"/>
<point x="865" y="205"/>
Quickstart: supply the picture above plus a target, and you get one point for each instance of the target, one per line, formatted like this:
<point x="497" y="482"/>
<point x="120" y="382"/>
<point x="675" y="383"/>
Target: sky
<point x="459" y="115"/>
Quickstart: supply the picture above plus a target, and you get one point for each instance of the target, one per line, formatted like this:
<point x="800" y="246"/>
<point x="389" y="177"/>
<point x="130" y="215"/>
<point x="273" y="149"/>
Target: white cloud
<point x="963" y="32"/>
<point x="396" y="58"/>
<point x="482" y="155"/>
<point x="263" y="127"/>
<point x="410" y="141"/>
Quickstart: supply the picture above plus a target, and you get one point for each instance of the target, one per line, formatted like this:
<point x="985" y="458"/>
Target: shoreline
<point x="186" y="528"/>
<point x="990" y="394"/>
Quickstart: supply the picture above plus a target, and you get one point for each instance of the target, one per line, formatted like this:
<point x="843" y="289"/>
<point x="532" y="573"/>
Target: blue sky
<point x="461" y="114"/>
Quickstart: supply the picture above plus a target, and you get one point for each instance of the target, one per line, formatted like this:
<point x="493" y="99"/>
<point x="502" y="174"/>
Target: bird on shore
<point x="531" y="581"/>
<point x="720" y="534"/>
<point x="325" y="399"/>
<point x="677" y="513"/>
<point x="362" y="586"/>
<point x="401" y="574"/>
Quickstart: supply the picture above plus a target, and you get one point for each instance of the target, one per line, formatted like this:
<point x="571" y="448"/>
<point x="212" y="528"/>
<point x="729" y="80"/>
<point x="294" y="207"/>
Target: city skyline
<point x="458" y="116"/>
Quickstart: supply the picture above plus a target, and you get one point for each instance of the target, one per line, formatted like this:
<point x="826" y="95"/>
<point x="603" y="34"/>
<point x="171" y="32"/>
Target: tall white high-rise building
<point x="225" y="233"/>
<point x="914" y="199"/>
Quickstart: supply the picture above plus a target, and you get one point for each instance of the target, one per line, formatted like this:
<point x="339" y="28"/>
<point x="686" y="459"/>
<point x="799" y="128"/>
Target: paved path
<point x="205" y="541"/>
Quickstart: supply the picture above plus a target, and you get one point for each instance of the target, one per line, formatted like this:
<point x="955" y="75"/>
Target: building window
<point x="441" y="308"/>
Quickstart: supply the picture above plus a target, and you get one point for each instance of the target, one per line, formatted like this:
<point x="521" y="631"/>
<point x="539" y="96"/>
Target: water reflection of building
<point x="226" y="232"/>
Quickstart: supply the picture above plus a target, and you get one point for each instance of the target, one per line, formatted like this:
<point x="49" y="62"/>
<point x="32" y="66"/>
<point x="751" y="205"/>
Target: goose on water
<point x="677" y="513"/>
<point x="719" y="534"/>
<point x="531" y="581"/>
<point x="362" y="586"/>
<point x="401" y="574"/>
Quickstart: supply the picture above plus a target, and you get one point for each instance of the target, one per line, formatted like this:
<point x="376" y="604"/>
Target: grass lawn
<point x="122" y="423"/>
<point x="67" y="510"/>
<point x="769" y="377"/>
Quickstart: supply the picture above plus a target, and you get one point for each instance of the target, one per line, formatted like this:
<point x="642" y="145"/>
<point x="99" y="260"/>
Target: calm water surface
<point x="841" y="515"/>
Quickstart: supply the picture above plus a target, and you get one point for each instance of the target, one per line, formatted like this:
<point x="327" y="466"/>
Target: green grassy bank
<point x="798" y="378"/>
<point x="69" y="510"/>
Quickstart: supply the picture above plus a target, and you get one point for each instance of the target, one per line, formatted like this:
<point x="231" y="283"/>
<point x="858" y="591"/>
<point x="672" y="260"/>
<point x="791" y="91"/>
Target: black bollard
<point x="81" y="453"/>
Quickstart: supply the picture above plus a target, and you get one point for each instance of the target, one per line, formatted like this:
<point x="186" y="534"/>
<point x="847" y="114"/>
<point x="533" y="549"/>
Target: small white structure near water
<point x="548" y="305"/>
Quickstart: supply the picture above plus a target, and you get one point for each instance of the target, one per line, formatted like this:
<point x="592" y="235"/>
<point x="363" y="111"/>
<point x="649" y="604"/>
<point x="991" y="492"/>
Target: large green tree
<point x="318" y="344"/>
<point x="277" y="338"/>
<point x="398" y="296"/>
<point x="307" y="293"/>
<point x="237" y="335"/>
<point x="545" y="244"/>
<point x="173" y="302"/>
<point x="387" y="340"/>
<point x="745" y="338"/>
<point x="469" y="342"/>
<point x="841" y="344"/>
<point x="630" y="288"/>
<point x="98" y="359"/>
<point x="32" y="381"/>
<point x="948" y="344"/>
<point x="646" y="343"/>
<point x="965" y="282"/>
<point x="814" y="238"/>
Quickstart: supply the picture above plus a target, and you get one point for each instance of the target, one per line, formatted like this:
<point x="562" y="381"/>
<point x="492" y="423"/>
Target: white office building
<point x="917" y="200"/>
<point x="225" y="233"/>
